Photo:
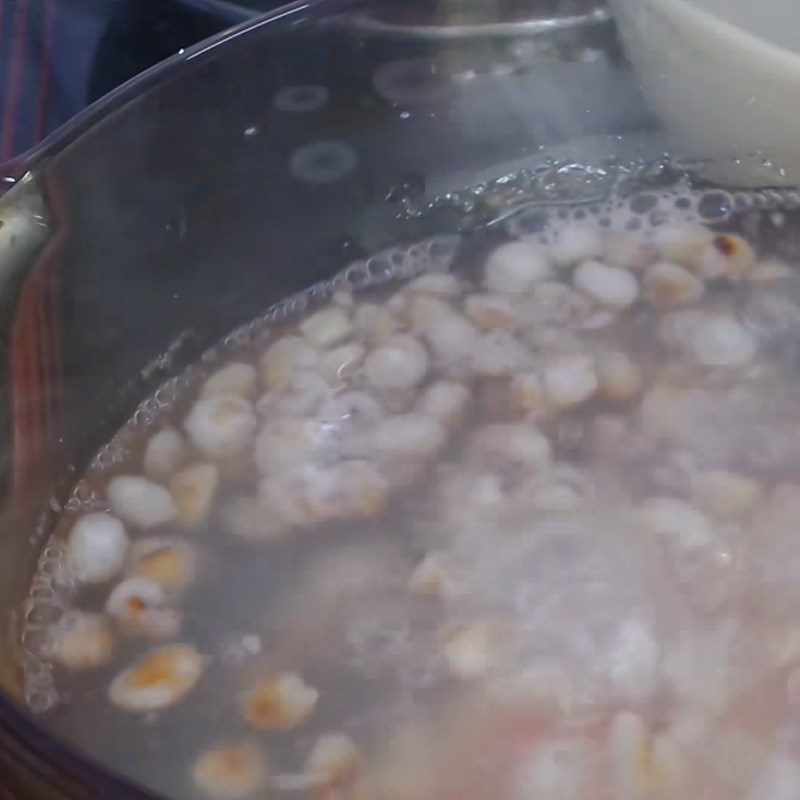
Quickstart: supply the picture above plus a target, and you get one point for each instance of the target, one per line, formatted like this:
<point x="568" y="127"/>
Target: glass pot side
<point x="158" y="210"/>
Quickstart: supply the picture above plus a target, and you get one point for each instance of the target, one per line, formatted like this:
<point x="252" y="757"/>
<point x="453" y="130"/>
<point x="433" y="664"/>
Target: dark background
<point x="57" y="56"/>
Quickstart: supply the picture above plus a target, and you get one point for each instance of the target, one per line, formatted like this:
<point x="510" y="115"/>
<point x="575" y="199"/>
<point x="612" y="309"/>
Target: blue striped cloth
<point x="46" y="48"/>
<point x="56" y="56"/>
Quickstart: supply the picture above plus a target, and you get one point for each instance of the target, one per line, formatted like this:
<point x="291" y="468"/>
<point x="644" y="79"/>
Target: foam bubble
<point x="301" y="98"/>
<point x="326" y="161"/>
<point x="415" y="81"/>
<point x="642" y="212"/>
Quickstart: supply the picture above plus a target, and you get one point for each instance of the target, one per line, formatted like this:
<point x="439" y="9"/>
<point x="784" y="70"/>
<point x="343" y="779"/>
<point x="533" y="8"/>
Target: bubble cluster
<point x="644" y="212"/>
<point x="50" y="594"/>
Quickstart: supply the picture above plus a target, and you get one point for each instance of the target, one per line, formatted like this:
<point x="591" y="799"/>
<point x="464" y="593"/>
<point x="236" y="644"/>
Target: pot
<point x="723" y="76"/>
<point x="238" y="172"/>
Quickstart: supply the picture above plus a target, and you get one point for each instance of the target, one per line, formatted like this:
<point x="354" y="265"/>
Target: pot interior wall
<point x="224" y="187"/>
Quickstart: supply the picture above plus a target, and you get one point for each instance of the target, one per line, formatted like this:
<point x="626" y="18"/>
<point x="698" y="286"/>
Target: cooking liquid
<point x="567" y="606"/>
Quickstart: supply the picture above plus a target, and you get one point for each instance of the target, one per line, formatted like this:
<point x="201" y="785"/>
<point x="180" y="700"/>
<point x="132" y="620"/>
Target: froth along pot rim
<point x="48" y="763"/>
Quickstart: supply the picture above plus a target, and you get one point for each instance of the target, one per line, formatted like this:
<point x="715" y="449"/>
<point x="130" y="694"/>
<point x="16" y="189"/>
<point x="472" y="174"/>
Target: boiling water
<point x="510" y="515"/>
